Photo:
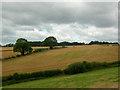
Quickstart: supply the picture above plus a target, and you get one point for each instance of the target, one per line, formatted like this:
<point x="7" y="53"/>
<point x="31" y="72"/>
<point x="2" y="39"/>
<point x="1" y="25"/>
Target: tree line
<point x="64" y="43"/>
<point x="24" y="47"/>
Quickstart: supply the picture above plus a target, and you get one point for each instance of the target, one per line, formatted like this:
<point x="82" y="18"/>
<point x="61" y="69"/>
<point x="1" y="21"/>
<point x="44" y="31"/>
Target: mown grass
<point x="104" y="78"/>
<point x="60" y="58"/>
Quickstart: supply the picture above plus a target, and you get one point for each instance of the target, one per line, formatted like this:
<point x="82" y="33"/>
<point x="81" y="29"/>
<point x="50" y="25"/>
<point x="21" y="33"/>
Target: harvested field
<point x="60" y="58"/>
<point x="7" y="51"/>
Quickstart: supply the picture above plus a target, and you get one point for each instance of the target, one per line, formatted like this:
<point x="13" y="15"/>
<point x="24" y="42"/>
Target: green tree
<point x="22" y="46"/>
<point x="50" y="41"/>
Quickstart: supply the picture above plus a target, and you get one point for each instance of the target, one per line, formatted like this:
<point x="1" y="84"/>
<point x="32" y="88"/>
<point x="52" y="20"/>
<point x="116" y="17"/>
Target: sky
<point x="66" y="21"/>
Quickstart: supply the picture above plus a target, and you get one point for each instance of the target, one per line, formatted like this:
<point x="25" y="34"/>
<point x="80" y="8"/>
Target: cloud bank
<point x="81" y="22"/>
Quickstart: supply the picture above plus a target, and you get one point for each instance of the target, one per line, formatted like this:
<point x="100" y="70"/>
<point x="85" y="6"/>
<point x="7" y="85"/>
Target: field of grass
<point x="60" y="58"/>
<point x="104" y="78"/>
<point x="7" y="51"/>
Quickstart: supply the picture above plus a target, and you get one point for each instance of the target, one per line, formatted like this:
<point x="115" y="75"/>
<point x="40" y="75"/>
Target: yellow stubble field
<point x="60" y="58"/>
<point x="8" y="51"/>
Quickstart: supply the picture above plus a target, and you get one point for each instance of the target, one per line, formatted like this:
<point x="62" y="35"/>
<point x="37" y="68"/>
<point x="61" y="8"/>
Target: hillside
<point x="8" y="51"/>
<point x="104" y="78"/>
<point x="60" y="58"/>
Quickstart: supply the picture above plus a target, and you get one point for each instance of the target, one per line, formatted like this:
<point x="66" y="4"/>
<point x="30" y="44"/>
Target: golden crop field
<point x="60" y="58"/>
<point x="7" y="51"/>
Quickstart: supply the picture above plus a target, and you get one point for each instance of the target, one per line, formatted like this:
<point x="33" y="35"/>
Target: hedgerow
<point x="35" y="51"/>
<point x="78" y="67"/>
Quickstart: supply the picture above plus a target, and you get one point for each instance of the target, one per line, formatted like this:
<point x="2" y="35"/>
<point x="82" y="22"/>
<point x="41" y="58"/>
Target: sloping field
<point x="7" y="51"/>
<point x="60" y="58"/>
<point x="104" y="78"/>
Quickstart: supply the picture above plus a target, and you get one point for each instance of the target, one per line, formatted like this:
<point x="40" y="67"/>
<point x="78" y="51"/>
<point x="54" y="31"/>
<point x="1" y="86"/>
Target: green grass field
<point x="104" y="78"/>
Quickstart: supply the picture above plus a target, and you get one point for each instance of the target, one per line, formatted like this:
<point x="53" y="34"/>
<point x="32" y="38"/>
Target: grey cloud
<point x="98" y="14"/>
<point x="33" y="21"/>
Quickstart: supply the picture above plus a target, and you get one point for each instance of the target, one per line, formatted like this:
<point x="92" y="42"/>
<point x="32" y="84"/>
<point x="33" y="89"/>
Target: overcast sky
<point x="80" y="21"/>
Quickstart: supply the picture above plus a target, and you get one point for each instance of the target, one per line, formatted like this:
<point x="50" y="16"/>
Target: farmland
<point x="104" y="78"/>
<point x="8" y="51"/>
<point x="60" y="58"/>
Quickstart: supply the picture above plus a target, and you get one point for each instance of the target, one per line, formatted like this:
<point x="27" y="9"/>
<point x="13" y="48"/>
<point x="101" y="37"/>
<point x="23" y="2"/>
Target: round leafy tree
<point x="22" y="46"/>
<point x="50" y="41"/>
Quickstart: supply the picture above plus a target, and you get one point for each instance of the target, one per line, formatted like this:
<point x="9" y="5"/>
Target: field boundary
<point x="24" y="77"/>
<point x="35" y="51"/>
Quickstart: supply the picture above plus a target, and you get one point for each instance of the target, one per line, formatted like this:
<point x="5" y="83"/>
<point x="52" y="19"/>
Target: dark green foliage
<point x="29" y="76"/>
<point x="18" y="55"/>
<point x="98" y="42"/>
<point x="88" y="66"/>
<point x="76" y="68"/>
<point x="40" y="50"/>
<point x="9" y="58"/>
<point x="105" y="64"/>
<point x="22" y="46"/>
<point x="16" y="76"/>
<point x="37" y="74"/>
<point x="12" y="56"/>
<point x="50" y="41"/>
<point x="6" y="58"/>
<point x="51" y="73"/>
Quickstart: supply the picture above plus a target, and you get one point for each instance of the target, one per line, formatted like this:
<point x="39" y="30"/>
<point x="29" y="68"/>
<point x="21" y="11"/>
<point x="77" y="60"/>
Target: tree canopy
<point x="22" y="46"/>
<point x="50" y="41"/>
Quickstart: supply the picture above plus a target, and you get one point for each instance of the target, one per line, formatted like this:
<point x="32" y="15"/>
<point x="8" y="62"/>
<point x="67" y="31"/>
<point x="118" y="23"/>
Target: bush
<point x="6" y="78"/>
<point x="37" y="74"/>
<point x="105" y="64"/>
<point x="15" y="78"/>
<point x="75" y="68"/>
<point x="6" y="58"/>
<point x="18" y="55"/>
<point x="40" y="50"/>
<point x="51" y="73"/>
<point x="88" y="65"/>
<point x="12" y="56"/>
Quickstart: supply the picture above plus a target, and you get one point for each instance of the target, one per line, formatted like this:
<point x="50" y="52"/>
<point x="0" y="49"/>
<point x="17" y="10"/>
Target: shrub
<point x="37" y="74"/>
<point x="40" y="50"/>
<point x="6" y="58"/>
<point x="7" y="78"/>
<point x="88" y="65"/>
<point x="15" y="78"/>
<point x="96" y="65"/>
<point x="66" y="71"/>
<point x="18" y="55"/>
<point x="75" y="68"/>
<point x="51" y="73"/>
<point x="104" y="64"/>
<point x="12" y="56"/>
